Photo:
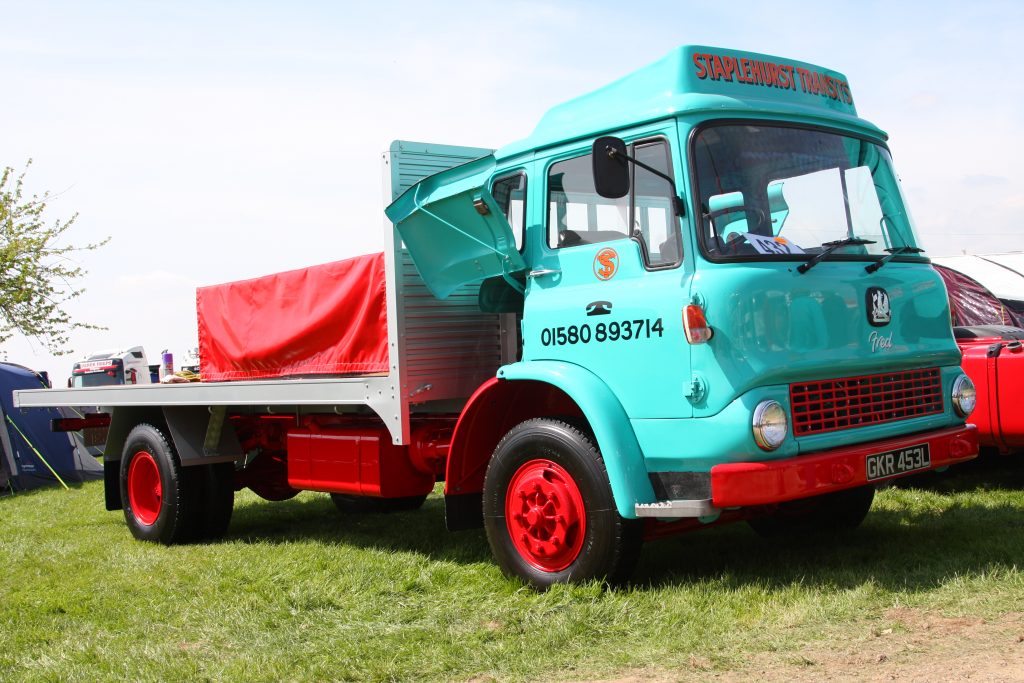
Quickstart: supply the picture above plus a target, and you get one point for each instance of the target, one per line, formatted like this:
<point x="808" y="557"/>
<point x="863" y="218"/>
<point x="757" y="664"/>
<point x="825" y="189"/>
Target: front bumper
<point x="776" y="481"/>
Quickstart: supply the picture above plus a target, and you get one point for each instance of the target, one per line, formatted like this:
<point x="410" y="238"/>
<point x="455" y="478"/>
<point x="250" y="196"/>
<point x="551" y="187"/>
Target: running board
<point x="677" y="508"/>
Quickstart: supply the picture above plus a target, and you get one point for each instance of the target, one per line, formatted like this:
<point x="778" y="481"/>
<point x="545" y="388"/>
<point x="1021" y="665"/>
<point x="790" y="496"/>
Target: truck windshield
<point x="770" y="192"/>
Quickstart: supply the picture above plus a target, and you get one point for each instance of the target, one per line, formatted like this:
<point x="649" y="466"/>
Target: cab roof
<point x="699" y="78"/>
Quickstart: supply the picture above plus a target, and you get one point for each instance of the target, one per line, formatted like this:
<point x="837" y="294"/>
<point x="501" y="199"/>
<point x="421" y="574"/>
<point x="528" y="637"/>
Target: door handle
<point x="540" y="272"/>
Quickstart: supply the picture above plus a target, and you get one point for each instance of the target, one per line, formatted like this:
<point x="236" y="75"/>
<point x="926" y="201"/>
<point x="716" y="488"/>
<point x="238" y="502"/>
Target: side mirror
<point x="611" y="172"/>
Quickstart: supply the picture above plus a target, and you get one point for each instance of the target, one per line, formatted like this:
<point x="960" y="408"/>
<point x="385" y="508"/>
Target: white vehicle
<point x="112" y="368"/>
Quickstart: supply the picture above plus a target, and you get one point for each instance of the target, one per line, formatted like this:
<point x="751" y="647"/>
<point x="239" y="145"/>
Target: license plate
<point x="95" y="436"/>
<point x="900" y="461"/>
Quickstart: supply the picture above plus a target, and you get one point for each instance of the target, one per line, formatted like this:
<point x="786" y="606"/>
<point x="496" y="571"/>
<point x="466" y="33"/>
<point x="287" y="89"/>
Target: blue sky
<point x="223" y="140"/>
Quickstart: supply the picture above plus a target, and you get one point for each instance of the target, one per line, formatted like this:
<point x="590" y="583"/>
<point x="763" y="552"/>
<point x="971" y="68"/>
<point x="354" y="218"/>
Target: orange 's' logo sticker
<point x="606" y="264"/>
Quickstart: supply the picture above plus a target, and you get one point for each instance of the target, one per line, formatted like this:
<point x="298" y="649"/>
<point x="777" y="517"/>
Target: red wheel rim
<point x="545" y="515"/>
<point x="144" y="490"/>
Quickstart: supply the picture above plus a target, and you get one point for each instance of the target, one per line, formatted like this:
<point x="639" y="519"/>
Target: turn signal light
<point x="696" y="325"/>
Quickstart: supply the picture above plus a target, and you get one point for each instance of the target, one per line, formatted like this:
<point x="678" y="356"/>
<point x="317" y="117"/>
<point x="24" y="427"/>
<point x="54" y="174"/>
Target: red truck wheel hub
<point x="545" y="515"/>
<point x="145" y="492"/>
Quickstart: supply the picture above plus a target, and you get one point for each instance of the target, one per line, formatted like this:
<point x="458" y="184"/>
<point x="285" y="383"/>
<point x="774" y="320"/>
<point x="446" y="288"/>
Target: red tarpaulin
<point x="329" y="319"/>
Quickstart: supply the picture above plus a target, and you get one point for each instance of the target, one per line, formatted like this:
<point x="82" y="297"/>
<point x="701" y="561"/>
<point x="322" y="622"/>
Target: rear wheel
<point x="366" y="504"/>
<point x="839" y="511"/>
<point x="217" y="500"/>
<point x="548" y="508"/>
<point x="162" y="500"/>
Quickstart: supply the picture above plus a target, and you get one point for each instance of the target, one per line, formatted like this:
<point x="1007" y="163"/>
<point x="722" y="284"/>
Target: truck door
<point x="608" y="288"/>
<point x="454" y="229"/>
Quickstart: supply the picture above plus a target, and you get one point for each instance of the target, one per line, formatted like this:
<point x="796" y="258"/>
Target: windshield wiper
<point x="893" y="253"/>
<point x="829" y="248"/>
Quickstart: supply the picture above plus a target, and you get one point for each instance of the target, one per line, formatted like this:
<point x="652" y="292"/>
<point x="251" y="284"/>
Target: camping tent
<point x="971" y="304"/>
<point x="1001" y="274"/>
<point x="30" y="454"/>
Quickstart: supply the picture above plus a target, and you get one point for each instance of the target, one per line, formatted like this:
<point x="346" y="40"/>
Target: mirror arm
<point x="677" y="202"/>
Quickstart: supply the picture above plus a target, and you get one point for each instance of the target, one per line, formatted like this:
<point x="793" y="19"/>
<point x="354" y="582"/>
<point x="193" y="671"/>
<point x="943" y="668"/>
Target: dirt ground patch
<point x="909" y="646"/>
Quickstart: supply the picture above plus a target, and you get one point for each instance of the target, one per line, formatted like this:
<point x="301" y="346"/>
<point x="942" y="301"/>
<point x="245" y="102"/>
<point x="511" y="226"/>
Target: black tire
<point x="365" y="504"/>
<point x="217" y="500"/>
<point x="567" y="528"/>
<point x="831" y="512"/>
<point x="162" y="500"/>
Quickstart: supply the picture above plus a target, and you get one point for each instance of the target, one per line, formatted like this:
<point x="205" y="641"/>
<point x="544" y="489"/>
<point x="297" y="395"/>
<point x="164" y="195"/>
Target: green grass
<point x="298" y="592"/>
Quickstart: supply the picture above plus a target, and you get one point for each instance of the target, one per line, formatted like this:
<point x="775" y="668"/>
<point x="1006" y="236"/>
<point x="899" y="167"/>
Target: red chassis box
<point x="356" y="461"/>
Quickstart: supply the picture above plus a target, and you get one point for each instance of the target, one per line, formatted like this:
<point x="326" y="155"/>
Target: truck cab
<point x="693" y="296"/>
<point x="714" y="259"/>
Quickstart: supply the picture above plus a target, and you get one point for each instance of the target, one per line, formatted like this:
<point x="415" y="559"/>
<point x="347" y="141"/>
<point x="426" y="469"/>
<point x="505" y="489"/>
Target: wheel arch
<point x="531" y="389"/>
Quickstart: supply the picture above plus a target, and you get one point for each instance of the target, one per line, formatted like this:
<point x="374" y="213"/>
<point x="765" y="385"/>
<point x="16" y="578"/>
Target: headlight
<point x="770" y="425"/>
<point x="964" y="396"/>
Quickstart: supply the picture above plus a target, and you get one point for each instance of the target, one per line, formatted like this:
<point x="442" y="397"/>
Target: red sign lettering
<point x="763" y="73"/>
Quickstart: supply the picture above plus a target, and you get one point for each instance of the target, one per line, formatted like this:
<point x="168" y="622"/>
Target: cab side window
<point x="578" y="215"/>
<point x="510" y="194"/>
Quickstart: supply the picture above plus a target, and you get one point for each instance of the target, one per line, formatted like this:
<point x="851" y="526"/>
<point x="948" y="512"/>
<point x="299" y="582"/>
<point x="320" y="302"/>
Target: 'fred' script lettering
<point x="880" y="342"/>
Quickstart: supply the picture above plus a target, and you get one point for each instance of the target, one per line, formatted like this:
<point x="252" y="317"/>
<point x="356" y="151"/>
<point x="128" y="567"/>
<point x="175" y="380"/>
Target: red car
<point x="991" y="338"/>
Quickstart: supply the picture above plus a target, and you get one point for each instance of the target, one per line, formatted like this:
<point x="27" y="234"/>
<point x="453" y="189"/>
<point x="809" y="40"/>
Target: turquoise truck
<point x="693" y="296"/>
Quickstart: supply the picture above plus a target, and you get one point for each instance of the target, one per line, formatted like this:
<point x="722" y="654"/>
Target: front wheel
<point x="549" y="512"/>
<point x="839" y="511"/>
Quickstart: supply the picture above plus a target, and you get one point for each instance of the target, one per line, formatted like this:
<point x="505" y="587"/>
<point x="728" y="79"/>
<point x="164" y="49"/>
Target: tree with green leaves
<point x="37" y="273"/>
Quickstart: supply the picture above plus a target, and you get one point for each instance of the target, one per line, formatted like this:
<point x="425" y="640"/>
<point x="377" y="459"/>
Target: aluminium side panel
<point x="440" y="349"/>
<point x="268" y="393"/>
<point x="278" y="396"/>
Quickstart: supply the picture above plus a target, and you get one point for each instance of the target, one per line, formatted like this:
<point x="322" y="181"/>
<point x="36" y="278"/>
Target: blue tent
<point x="30" y="454"/>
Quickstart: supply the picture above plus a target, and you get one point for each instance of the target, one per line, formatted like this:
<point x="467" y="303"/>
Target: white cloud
<point x="155" y="280"/>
